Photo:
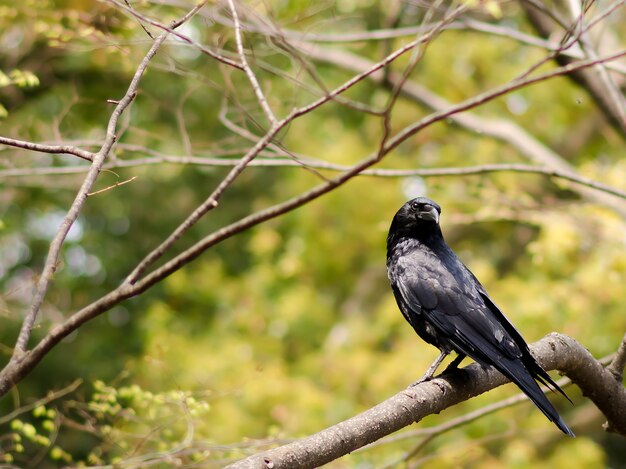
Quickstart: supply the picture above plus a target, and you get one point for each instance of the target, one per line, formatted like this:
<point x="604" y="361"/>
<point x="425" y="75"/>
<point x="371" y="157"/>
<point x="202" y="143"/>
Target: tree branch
<point x="619" y="362"/>
<point x="71" y="216"/>
<point x="171" y="30"/>
<point x="501" y="129"/>
<point x="554" y="351"/>
<point x="55" y="149"/>
<point x="212" y="201"/>
<point x="305" y="162"/>
<point x="594" y="80"/>
<point x="246" y="67"/>
<point x="18" y="368"/>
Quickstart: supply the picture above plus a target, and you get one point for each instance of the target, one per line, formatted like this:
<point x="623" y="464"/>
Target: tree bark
<point x="554" y="351"/>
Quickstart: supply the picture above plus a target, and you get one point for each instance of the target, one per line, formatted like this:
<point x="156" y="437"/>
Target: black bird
<point x="449" y="308"/>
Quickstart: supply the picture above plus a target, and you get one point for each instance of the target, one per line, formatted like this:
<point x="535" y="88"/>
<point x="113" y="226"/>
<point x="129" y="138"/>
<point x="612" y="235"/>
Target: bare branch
<point x="171" y="30"/>
<point x="501" y="129"/>
<point x="55" y="149"/>
<point x="113" y="186"/>
<point x="612" y="92"/>
<point x="501" y="30"/>
<point x="494" y="93"/>
<point x="619" y="362"/>
<point x="301" y="161"/>
<point x="212" y="201"/>
<point x="415" y="58"/>
<point x="51" y="396"/>
<point x="246" y="67"/>
<point x="71" y="216"/>
<point x="18" y="368"/>
<point x="597" y="88"/>
<point x="554" y="351"/>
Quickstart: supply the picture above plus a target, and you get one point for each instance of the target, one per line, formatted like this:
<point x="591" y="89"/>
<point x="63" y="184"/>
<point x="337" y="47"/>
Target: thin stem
<point x="246" y="67"/>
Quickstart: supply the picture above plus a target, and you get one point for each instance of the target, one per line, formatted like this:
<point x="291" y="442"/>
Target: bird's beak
<point x="430" y="215"/>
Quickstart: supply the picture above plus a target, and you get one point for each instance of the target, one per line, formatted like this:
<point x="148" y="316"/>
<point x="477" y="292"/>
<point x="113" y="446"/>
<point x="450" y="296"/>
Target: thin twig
<point x="212" y="201"/>
<point x="416" y="56"/>
<point x="614" y="94"/>
<point x="117" y="184"/>
<point x="296" y="162"/>
<point x="386" y="34"/>
<point x="598" y="87"/>
<point x="495" y="93"/>
<point x="246" y="67"/>
<point x="55" y="149"/>
<point x="51" y="396"/>
<point x="171" y="30"/>
<point x="71" y="216"/>
<point x="500" y="129"/>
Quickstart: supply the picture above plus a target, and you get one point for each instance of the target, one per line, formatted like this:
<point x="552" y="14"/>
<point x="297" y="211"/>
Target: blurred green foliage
<point x="289" y="327"/>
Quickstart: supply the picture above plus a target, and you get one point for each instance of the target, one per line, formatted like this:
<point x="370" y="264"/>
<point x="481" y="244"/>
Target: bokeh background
<point x="289" y="327"/>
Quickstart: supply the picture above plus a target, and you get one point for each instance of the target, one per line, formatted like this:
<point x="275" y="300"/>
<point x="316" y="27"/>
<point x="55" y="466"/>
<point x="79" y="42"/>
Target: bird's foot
<point x="454" y="364"/>
<point x="431" y="370"/>
<point x="423" y="379"/>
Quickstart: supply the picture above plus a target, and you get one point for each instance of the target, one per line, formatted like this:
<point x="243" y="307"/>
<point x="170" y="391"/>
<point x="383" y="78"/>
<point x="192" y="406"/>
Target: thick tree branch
<point x="619" y="362"/>
<point x="554" y="351"/>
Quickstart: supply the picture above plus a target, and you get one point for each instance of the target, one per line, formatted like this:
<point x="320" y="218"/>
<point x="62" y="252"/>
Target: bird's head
<point x="417" y="218"/>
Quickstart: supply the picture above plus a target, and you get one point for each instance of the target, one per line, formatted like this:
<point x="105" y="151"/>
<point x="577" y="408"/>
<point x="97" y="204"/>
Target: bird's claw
<point x="423" y="379"/>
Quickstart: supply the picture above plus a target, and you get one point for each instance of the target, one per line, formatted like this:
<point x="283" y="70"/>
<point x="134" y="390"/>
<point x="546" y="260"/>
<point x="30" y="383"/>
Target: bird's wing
<point x="529" y="361"/>
<point x="451" y="302"/>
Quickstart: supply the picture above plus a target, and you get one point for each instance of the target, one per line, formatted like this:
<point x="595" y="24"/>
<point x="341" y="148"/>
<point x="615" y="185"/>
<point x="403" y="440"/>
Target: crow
<point x="449" y="308"/>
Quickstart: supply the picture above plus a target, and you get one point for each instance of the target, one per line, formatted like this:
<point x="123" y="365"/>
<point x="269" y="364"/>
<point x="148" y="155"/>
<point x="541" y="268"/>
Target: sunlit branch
<point x="470" y="24"/>
<point x="113" y="186"/>
<point x="554" y="351"/>
<point x="598" y="87"/>
<point x="613" y="94"/>
<point x="212" y="201"/>
<point x="415" y="58"/>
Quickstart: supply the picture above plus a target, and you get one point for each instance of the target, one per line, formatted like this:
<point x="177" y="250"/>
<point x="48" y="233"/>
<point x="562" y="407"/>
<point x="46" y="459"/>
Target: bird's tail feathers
<point x="529" y="386"/>
<point x="544" y="378"/>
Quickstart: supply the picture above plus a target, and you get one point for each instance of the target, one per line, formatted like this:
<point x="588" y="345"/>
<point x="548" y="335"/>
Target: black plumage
<point x="449" y="308"/>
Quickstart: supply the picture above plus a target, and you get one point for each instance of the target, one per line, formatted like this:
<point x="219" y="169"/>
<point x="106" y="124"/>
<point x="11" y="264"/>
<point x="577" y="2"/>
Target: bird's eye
<point x="416" y="206"/>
